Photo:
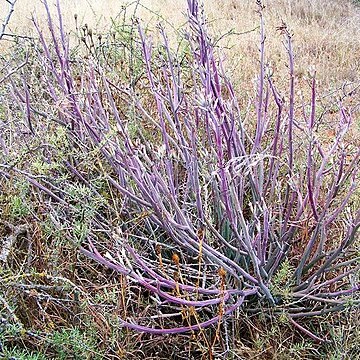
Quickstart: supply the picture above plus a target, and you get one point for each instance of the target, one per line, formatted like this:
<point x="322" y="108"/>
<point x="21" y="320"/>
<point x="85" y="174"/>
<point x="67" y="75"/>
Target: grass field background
<point x="326" y="32"/>
<point x="57" y="303"/>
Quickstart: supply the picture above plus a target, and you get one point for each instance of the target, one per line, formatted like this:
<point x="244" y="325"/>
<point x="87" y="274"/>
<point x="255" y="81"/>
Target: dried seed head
<point x="158" y="249"/>
<point x="192" y="311"/>
<point x="222" y="272"/>
<point x="175" y="258"/>
<point x="75" y="16"/>
<point x="184" y="314"/>
<point x="201" y="233"/>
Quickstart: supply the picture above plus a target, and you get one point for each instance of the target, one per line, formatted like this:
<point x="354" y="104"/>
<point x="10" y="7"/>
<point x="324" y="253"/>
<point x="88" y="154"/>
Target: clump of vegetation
<point x="168" y="207"/>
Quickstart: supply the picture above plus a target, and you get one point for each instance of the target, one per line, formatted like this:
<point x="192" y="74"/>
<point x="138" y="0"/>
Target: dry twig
<point x="7" y="17"/>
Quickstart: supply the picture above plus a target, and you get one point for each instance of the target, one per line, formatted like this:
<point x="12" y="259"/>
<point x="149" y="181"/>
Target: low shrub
<point x="206" y="206"/>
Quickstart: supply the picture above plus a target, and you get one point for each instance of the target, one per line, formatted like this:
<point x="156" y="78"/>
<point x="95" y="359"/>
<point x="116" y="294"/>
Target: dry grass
<point x="326" y="35"/>
<point x="326" y="32"/>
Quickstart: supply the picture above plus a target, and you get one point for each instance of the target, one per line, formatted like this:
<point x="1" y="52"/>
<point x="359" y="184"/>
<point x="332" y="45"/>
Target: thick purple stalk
<point x="310" y="178"/>
<point x="261" y="82"/>
<point x="177" y="330"/>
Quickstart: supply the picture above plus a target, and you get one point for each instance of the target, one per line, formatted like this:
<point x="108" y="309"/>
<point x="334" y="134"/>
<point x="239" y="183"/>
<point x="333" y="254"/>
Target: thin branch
<point x="7" y="18"/>
<point x="13" y="71"/>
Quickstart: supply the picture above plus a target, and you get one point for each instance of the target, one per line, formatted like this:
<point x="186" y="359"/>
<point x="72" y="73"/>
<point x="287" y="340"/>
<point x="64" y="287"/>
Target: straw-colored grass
<point x="326" y="32"/>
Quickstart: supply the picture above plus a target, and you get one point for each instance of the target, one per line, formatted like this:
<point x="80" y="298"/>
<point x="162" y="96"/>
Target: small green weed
<point x="18" y="207"/>
<point x="74" y="344"/>
<point x="21" y="354"/>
